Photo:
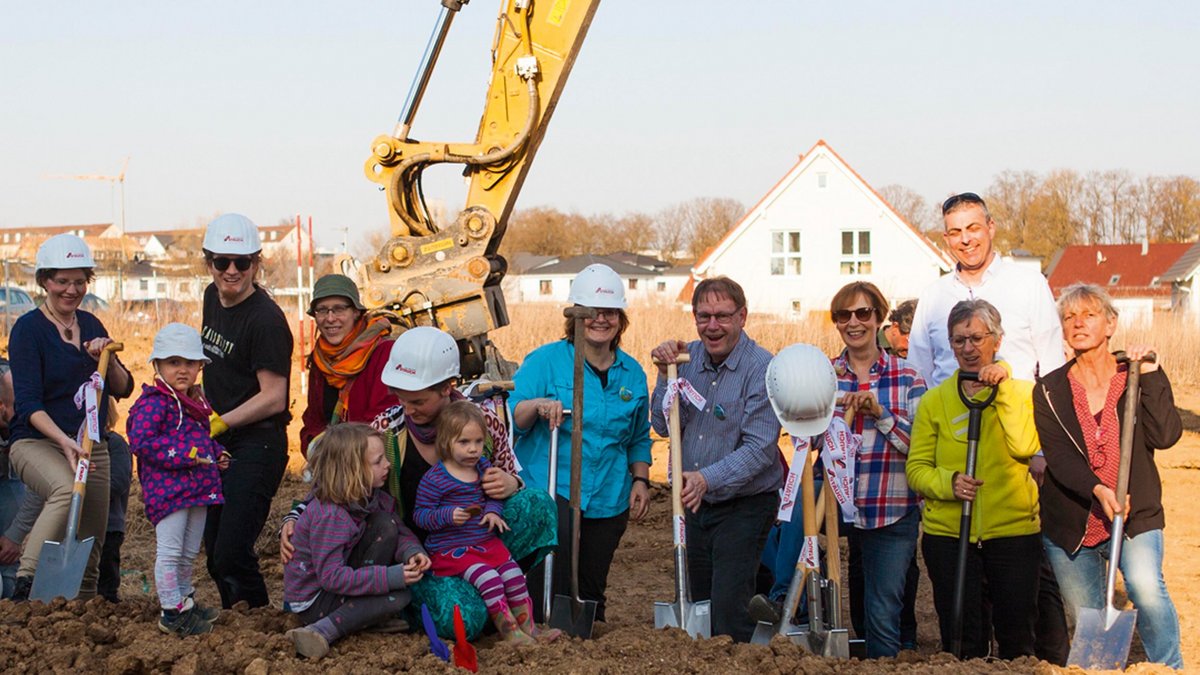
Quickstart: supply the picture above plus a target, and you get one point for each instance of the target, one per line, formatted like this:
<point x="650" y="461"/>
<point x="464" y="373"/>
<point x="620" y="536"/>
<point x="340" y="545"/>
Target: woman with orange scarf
<point x="345" y="363"/>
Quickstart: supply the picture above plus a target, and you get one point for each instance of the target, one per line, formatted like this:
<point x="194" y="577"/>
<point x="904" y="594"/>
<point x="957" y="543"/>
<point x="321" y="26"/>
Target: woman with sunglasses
<point x="616" y="437"/>
<point x="54" y="351"/>
<point x="248" y="339"/>
<point x="1005" y="532"/>
<point x="344" y="367"/>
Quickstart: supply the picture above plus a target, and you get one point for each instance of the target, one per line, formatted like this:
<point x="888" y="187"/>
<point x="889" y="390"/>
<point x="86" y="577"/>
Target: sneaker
<point x="187" y="622"/>
<point x="763" y="608"/>
<point x="308" y="642"/>
<point x="209" y="614"/>
<point x="21" y="589"/>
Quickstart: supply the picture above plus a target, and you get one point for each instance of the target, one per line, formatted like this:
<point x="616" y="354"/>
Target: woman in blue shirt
<point x="616" y="439"/>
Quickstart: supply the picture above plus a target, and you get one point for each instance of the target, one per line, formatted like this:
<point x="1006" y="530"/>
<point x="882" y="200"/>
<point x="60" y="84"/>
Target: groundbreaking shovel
<point x="552" y="488"/>
<point x="464" y="651"/>
<point x="693" y="617"/>
<point x="974" y="425"/>
<point x="61" y="564"/>
<point x="570" y="613"/>
<point x="1102" y="636"/>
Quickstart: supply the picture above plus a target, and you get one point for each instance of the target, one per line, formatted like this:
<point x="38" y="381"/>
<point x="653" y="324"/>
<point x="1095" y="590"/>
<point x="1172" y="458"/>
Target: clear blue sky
<point x="268" y="108"/>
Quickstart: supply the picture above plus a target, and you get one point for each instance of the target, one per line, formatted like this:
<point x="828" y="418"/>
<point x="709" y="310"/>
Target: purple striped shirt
<point x="437" y="497"/>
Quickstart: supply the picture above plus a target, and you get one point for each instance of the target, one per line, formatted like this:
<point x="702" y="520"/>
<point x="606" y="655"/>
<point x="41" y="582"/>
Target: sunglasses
<point x="960" y="199"/>
<point x="222" y="263"/>
<point x="843" y="315"/>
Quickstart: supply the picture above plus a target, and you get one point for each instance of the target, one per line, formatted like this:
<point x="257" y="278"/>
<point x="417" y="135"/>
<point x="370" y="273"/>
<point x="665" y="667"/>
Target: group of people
<point x="422" y="498"/>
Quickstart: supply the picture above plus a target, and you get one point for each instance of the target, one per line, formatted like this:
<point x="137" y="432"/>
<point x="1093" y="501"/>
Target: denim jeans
<point x="886" y="551"/>
<point x="12" y="493"/>
<point x="1081" y="576"/>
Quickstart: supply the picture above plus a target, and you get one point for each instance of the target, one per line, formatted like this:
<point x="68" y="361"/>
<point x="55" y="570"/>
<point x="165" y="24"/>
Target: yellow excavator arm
<point x="448" y="274"/>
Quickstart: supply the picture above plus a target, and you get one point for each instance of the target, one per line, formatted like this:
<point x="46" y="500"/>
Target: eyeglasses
<point x="960" y="199"/>
<point x="843" y="315"/>
<point x="606" y="314"/>
<point x="222" y="263"/>
<point x="960" y="341"/>
<point x="332" y="310"/>
<point x="723" y="318"/>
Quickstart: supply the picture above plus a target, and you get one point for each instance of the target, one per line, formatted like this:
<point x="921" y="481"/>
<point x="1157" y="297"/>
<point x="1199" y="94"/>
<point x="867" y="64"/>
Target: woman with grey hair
<point x="1077" y="410"/>
<point x="1005" y="530"/>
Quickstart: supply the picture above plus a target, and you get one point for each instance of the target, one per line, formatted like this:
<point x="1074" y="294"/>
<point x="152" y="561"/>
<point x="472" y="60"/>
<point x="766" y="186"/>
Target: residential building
<point x="1138" y="277"/>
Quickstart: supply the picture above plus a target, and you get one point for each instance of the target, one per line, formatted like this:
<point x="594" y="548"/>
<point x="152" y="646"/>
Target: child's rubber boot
<point x="308" y="642"/>
<point x="524" y="618"/>
<point x="506" y="623"/>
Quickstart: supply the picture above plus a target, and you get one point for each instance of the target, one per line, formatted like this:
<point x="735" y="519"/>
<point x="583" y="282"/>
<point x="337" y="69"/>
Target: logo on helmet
<point x="71" y="254"/>
<point x="607" y="291"/>
<point x="230" y="237"/>
<point x="404" y="369"/>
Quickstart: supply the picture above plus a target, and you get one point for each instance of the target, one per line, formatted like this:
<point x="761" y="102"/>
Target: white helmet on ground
<point x="178" y="339"/>
<point x="232" y="234"/>
<point x="802" y="388"/>
<point x="421" y="358"/>
<point x="597" y="286"/>
<point x="64" y="252"/>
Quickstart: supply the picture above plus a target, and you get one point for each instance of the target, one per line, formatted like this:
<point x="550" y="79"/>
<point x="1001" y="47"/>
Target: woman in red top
<point x="346" y="361"/>
<point x="1077" y="409"/>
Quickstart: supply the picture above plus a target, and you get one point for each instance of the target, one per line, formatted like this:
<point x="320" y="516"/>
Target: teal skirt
<point x="532" y="515"/>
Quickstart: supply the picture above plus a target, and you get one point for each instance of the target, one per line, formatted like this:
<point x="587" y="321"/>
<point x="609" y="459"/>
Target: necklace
<point x="66" y="327"/>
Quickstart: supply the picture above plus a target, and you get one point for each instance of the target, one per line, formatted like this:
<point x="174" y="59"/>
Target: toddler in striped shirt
<point x="463" y="524"/>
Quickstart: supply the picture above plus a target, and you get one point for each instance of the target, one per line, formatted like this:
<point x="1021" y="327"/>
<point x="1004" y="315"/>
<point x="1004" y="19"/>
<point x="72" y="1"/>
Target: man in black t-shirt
<point x="248" y="340"/>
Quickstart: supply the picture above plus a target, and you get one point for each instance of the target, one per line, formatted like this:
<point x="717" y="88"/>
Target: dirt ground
<point x="100" y="637"/>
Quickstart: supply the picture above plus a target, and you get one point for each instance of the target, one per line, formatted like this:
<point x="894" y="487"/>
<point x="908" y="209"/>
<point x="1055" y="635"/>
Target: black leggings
<point x="598" y="541"/>
<point x="350" y="614"/>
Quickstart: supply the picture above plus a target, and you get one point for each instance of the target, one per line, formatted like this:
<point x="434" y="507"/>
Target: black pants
<point x="1052" y="641"/>
<point x="857" y="585"/>
<point x="350" y="614"/>
<point x="108" y="585"/>
<point x="1011" y="566"/>
<point x="249" y="484"/>
<point x="598" y="541"/>
<point x="724" y="544"/>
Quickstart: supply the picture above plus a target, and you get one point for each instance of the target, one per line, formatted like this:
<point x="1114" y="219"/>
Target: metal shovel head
<point x="764" y="632"/>
<point x="1102" y="638"/>
<point x="572" y="616"/>
<point x="60" y="569"/>
<point x="693" y="617"/>
<point x="834" y="642"/>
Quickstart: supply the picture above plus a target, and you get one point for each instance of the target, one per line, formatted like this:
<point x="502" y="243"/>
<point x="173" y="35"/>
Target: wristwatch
<point x="640" y="479"/>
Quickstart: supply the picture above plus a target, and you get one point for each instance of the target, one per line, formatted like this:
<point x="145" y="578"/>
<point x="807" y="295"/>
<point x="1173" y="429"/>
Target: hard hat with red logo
<point x="232" y="234"/>
<point x="598" y="286"/>
<point x="802" y="388"/>
<point x="63" y="252"/>
<point x="421" y="358"/>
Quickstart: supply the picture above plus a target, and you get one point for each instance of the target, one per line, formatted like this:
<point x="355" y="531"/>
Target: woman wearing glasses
<point x="1079" y="410"/>
<point x="1005" y="533"/>
<point x="616" y="438"/>
<point x="248" y="339"/>
<point x="344" y="367"/>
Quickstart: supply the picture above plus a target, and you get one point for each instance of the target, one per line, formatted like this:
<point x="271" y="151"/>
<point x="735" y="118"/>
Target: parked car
<point x="94" y="303"/>
<point x="13" y="303"/>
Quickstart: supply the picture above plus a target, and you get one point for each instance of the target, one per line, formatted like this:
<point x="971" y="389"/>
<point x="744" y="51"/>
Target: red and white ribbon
<point x="787" y="494"/>
<point x="681" y="386"/>
<point x="839" y="455"/>
<point x="680" y="526"/>
<point x="88" y="399"/>
<point x="809" y="553"/>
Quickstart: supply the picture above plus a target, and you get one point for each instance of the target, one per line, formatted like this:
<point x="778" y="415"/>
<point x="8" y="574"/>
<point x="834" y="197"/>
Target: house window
<point x="785" y="253"/>
<point x="797" y="307"/>
<point x="162" y="287"/>
<point x="661" y="287"/>
<point x="183" y="287"/>
<point x="822" y="180"/>
<point x="545" y="287"/>
<point x="633" y="284"/>
<point x="856" y="252"/>
<point x="1112" y="281"/>
<point x="143" y="284"/>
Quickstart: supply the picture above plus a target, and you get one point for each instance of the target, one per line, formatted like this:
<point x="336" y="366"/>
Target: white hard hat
<point x="802" y="388"/>
<point x="421" y="357"/>
<point x="64" y="252"/>
<point x="232" y="234"/>
<point x="178" y="339"/>
<point x="597" y="286"/>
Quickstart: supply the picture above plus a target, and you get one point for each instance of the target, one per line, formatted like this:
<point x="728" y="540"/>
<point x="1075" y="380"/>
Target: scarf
<point x="341" y="363"/>
<point x="193" y="404"/>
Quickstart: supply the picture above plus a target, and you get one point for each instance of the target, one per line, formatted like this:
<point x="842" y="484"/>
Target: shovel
<point x="1102" y="636"/>
<point x="693" y="617"/>
<point x="974" y="424"/>
<point x="61" y="564"/>
<point x="552" y="488"/>
<point x="569" y="613"/>
<point x="464" y="652"/>
<point x="436" y="646"/>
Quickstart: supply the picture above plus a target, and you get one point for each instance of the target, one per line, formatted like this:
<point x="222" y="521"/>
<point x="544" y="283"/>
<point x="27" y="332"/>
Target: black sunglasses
<point x="960" y="199"/>
<point x="843" y="315"/>
<point x="221" y="263"/>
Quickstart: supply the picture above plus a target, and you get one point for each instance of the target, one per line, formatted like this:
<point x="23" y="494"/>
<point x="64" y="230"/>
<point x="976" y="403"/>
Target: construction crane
<point x="118" y="179"/>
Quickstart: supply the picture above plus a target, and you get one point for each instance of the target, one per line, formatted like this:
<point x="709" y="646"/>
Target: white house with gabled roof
<point x="820" y="227"/>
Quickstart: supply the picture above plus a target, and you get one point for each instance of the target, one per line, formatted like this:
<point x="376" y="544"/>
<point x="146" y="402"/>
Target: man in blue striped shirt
<point x="732" y="466"/>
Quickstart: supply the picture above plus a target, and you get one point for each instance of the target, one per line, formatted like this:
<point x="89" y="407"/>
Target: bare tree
<point x="912" y="207"/>
<point x="1174" y="209"/>
<point x="696" y="225"/>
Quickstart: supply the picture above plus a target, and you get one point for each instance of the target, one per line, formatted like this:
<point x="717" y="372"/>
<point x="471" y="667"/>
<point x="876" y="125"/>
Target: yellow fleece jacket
<point x="1006" y="505"/>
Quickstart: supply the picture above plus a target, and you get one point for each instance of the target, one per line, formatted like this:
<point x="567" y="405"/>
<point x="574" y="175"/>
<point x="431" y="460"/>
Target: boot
<point x="524" y="618"/>
<point x="506" y="623"/>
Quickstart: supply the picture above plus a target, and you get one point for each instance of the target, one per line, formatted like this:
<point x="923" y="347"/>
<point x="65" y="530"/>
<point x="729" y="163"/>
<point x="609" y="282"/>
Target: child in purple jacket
<point x="354" y="558"/>
<point x="463" y="524"/>
<point x="178" y="466"/>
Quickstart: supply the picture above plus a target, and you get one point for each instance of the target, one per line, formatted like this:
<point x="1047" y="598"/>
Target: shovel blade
<point x="573" y="616"/>
<point x="60" y="569"/>
<point x="764" y="631"/>
<point x="1102" y="638"/>
<point x="693" y="617"/>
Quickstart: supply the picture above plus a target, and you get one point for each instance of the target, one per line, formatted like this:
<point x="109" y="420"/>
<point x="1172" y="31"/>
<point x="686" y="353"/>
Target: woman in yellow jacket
<point x="1005" y="529"/>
